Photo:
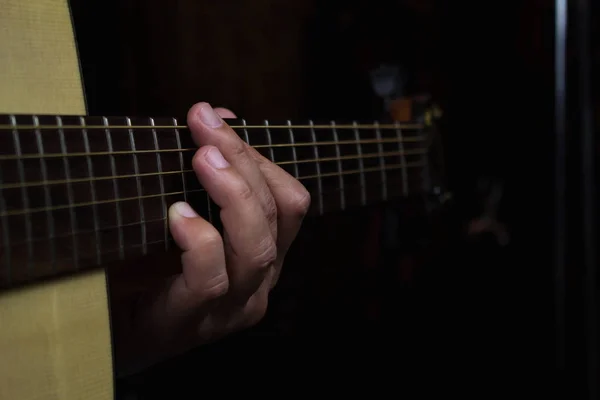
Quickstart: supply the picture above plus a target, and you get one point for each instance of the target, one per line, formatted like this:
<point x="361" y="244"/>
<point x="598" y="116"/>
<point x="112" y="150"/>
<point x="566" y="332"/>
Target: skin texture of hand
<point x="224" y="281"/>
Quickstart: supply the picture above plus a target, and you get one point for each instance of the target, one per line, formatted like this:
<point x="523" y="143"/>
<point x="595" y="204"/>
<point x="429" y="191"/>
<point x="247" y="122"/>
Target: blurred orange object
<point x="401" y="109"/>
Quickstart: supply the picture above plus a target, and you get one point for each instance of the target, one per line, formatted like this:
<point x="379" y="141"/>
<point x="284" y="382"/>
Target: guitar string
<point x="36" y="156"/>
<point x="329" y="190"/>
<point x="89" y="261"/>
<point x="151" y="174"/>
<point x="408" y="126"/>
<point x="113" y="201"/>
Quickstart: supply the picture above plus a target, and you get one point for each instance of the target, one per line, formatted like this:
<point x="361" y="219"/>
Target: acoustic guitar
<point x="79" y="192"/>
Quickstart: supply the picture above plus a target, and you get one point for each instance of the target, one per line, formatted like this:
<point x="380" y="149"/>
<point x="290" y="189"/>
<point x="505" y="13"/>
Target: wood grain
<point x="54" y="338"/>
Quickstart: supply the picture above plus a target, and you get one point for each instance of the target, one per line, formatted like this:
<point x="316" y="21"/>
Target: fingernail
<point x="215" y="159"/>
<point x="209" y="117"/>
<point x="185" y="210"/>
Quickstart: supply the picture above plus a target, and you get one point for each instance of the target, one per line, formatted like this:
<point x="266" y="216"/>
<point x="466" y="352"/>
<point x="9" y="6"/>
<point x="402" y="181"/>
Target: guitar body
<point x="55" y="340"/>
<point x="61" y="212"/>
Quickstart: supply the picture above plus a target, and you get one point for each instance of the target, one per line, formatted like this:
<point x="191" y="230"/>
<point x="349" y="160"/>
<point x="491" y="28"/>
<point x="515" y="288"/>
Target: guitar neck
<point x="81" y="192"/>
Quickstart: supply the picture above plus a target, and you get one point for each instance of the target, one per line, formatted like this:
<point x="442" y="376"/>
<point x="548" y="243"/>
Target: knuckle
<point x="202" y="287"/>
<point x="244" y="191"/>
<point x="300" y="203"/>
<point x="237" y="147"/>
<point x="205" y="284"/>
<point x="270" y="209"/>
<point x="211" y="239"/>
<point x="265" y="256"/>
<point x="216" y="287"/>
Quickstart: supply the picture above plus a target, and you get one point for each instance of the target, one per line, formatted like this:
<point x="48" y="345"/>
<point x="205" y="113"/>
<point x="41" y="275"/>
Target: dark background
<point x="473" y="319"/>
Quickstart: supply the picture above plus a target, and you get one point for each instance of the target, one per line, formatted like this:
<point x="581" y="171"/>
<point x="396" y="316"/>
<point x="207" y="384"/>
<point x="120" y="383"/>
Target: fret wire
<point x="103" y="229"/>
<point x="138" y="183"/>
<point x="245" y="130"/>
<point x="402" y="160"/>
<point x="47" y="196"/>
<point x="5" y="233"/>
<point x="24" y="196"/>
<point x="350" y="157"/>
<point x="269" y="141"/>
<point x="134" y="224"/>
<point x="168" y="239"/>
<point x="381" y="163"/>
<point x="413" y="126"/>
<point x="358" y="171"/>
<point x="70" y="195"/>
<point x="132" y="246"/>
<point x="318" y="167"/>
<point x="246" y="139"/>
<point x="126" y="152"/>
<point x="294" y="154"/>
<point x="179" y="147"/>
<point x="116" y="200"/>
<point x="361" y="165"/>
<point x="161" y="184"/>
<point x="149" y="174"/>
<point x="113" y="167"/>
<point x="90" y="168"/>
<point x="339" y="165"/>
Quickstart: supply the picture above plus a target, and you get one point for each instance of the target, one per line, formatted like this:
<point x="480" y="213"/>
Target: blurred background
<point x="384" y="298"/>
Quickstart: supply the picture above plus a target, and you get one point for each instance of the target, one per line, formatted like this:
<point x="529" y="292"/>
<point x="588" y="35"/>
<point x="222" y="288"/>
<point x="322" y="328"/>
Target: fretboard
<point x="82" y="192"/>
